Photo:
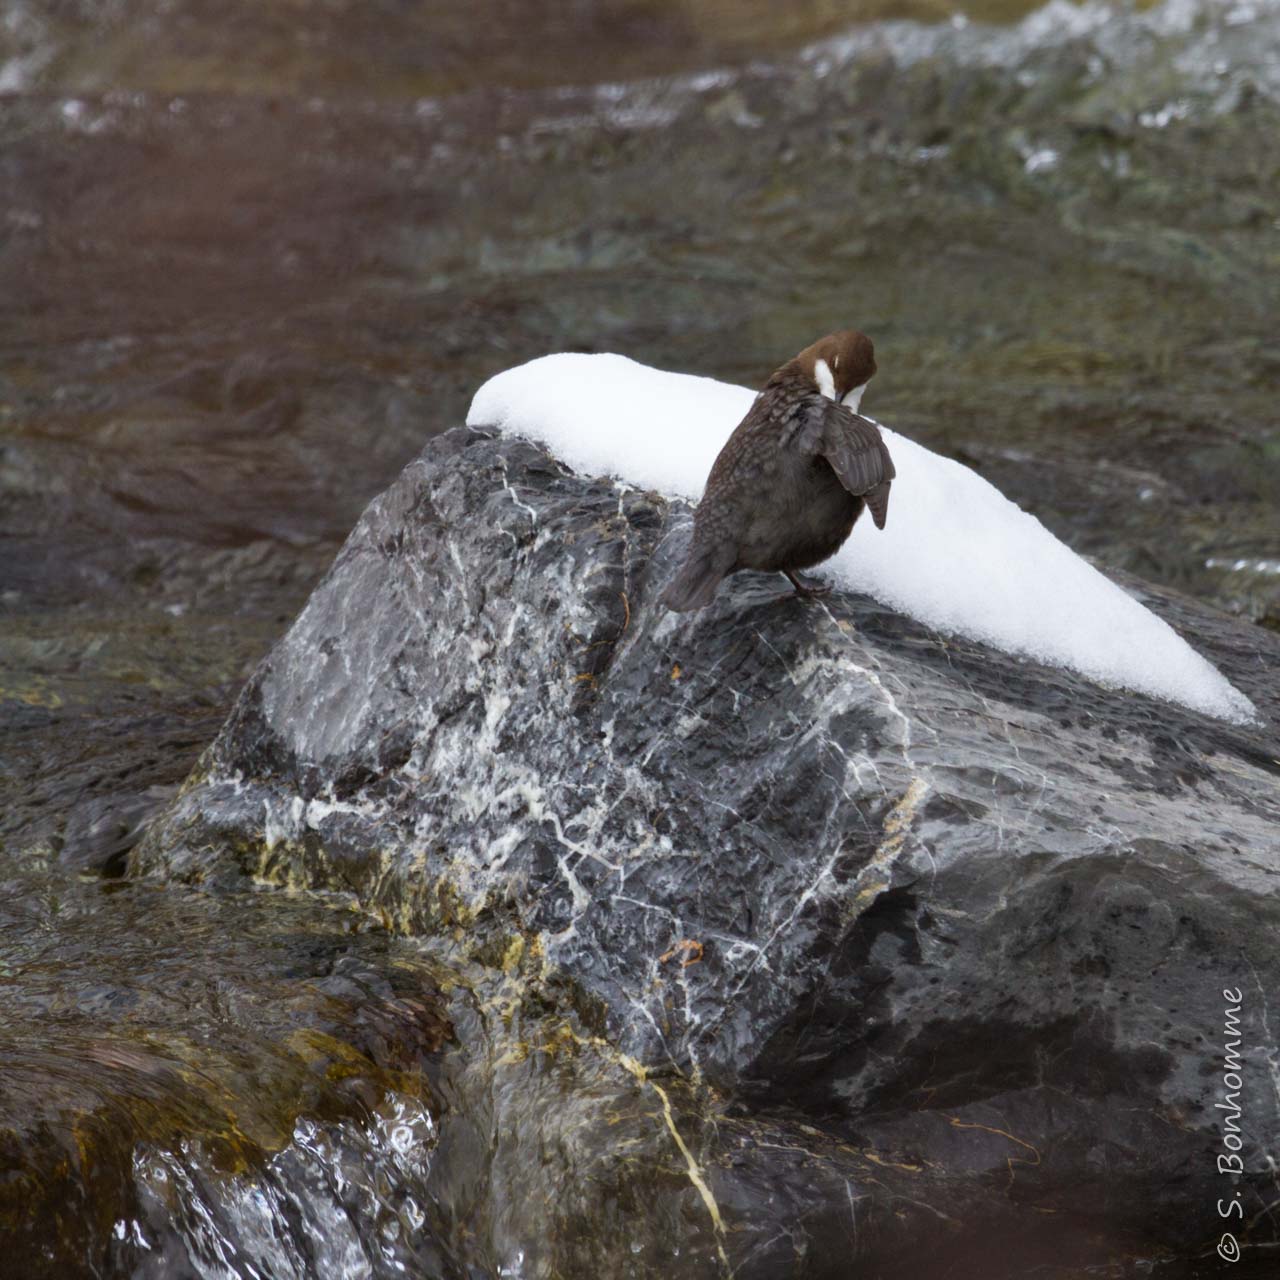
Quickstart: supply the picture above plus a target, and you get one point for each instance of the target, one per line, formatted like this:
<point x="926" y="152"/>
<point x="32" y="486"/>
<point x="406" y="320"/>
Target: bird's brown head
<point x="839" y="365"/>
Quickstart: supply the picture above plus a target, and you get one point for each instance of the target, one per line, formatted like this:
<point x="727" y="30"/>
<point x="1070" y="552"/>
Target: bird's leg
<point x="807" y="588"/>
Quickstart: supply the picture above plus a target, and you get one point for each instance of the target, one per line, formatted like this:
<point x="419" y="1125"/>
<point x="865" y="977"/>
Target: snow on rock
<point x="956" y="554"/>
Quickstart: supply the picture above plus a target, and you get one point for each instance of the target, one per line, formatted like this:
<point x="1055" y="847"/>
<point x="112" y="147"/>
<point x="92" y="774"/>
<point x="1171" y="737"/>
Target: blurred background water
<point x="253" y="255"/>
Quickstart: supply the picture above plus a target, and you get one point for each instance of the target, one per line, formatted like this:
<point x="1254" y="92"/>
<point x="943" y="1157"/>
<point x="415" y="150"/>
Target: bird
<point x="789" y="484"/>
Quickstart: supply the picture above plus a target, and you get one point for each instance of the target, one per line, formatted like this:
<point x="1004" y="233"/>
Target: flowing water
<point x="252" y="257"/>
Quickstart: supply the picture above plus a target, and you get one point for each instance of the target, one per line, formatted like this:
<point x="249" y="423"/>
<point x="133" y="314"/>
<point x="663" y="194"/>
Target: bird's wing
<point x="851" y="444"/>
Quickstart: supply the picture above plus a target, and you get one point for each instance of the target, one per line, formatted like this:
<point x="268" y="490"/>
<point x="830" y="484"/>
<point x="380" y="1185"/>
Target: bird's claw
<point x="807" y="588"/>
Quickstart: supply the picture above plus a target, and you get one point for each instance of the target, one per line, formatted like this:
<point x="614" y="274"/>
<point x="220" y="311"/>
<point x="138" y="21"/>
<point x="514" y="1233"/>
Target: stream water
<point x="252" y="257"/>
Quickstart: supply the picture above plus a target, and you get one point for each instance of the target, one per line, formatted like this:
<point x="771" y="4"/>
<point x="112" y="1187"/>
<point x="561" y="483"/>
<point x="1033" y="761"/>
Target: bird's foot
<point x="807" y="588"/>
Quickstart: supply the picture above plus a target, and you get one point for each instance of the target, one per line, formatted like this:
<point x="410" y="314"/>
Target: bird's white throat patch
<point x="826" y="381"/>
<point x="852" y="398"/>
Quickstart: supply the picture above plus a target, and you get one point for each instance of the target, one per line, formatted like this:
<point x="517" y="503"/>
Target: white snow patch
<point x="956" y="554"/>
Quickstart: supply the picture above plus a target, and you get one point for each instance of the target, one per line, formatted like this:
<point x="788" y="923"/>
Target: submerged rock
<point x="205" y="1085"/>
<point x="968" y="917"/>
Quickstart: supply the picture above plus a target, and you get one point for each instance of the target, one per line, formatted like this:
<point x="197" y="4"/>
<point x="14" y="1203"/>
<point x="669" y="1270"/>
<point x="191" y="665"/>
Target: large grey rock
<point x="933" y="900"/>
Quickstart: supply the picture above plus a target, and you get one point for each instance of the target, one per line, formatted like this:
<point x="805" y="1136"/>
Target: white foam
<point x="956" y="554"/>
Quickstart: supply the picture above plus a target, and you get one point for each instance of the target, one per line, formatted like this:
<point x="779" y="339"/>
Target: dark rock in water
<point x="986" y="924"/>
<point x="100" y="830"/>
<point x="204" y="1085"/>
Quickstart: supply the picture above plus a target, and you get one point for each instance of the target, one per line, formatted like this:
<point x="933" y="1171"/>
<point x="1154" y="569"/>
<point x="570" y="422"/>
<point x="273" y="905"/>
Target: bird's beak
<point x="854" y="398"/>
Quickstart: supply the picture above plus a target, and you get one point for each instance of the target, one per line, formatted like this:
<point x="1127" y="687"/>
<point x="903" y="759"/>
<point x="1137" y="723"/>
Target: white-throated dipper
<point x="785" y="490"/>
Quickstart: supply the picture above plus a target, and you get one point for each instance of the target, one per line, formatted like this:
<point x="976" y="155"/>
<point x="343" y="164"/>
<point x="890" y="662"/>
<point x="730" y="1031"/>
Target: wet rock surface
<point x="958" y="924"/>
<point x="193" y="1083"/>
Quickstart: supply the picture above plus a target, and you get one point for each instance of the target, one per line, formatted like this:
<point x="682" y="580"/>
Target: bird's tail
<point x="696" y="582"/>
